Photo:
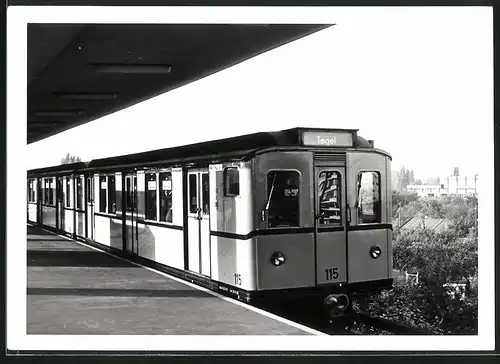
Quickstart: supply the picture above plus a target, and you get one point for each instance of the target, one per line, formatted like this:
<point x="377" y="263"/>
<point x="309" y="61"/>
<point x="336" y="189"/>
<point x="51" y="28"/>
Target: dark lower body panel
<point x="251" y="297"/>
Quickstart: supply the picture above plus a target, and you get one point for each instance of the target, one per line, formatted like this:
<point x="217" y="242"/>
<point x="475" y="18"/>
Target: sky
<point x="417" y="82"/>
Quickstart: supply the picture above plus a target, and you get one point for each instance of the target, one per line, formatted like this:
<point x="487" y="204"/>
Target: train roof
<point x="235" y="147"/>
<point x="60" y="169"/>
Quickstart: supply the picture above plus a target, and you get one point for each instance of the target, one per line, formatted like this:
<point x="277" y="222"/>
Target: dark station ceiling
<point x="80" y="72"/>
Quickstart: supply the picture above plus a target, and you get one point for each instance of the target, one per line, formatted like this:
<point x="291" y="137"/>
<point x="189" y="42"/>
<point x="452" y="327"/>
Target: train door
<point x="60" y="203"/>
<point x="331" y="263"/>
<point x="199" y="221"/>
<point x="89" y="197"/>
<point x="131" y="232"/>
<point x="368" y="238"/>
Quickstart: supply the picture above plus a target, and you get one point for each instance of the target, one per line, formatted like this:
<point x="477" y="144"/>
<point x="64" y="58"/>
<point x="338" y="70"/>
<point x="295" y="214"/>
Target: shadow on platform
<point x="118" y="292"/>
<point x="51" y="258"/>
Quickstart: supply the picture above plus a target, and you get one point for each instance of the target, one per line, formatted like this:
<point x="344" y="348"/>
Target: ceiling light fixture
<point x="85" y="96"/>
<point x="131" y="68"/>
<point x="58" y="112"/>
<point x="41" y="125"/>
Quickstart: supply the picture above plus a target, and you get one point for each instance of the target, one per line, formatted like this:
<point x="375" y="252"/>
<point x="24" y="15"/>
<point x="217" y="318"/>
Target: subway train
<point x="297" y="212"/>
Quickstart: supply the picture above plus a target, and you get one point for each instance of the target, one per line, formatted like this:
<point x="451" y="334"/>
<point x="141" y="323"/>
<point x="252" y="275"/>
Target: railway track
<point x="386" y="325"/>
<point x="314" y="318"/>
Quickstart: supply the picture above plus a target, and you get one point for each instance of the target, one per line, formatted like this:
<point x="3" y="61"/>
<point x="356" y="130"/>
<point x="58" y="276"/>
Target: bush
<point x="460" y="211"/>
<point x="438" y="257"/>
<point x="421" y="307"/>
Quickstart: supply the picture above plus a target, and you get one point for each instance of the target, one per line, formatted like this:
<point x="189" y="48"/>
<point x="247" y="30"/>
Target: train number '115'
<point x="331" y="273"/>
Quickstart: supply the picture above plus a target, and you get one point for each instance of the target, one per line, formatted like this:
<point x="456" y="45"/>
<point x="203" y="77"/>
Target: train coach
<point x="292" y="212"/>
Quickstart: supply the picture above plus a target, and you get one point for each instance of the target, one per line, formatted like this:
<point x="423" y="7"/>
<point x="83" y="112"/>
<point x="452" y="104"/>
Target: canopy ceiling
<point x="80" y="72"/>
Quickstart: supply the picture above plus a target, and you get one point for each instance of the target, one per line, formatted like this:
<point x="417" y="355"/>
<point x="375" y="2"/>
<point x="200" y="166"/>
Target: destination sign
<point x="327" y="139"/>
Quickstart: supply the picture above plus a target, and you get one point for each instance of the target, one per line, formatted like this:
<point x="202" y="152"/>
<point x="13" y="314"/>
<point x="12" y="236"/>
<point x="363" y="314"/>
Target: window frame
<point x="107" y="198"/>
<point x="299" y="220"/>
<point x="341" y="200"/>
<point x="67" y="197"/>
<point x="48" y="194"/>
<point x="224" y="179"/>
<point x="109" y="195"/>
<point x="379" y="209"/>
<point x="146" y="190"/>
<point x="159" y="189"/>
<point x="101" y="199"/>
<point x="31" y="190"/>
<point x="81" y="179"/>
<point x="45" y="190"/>
<point x="158" y="198"/>
<point x="89" y="182"/>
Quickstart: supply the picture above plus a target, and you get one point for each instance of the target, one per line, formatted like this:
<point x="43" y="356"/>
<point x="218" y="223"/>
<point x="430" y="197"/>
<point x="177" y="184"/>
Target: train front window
<point x="369" y="198"/>
<point x="329" y="198"/>
<point x="283" y="198"/>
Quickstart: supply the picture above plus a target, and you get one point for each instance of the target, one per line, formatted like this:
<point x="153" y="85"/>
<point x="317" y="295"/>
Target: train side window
<point x="369" y="198"/>
<point x="151" y="196"/>
<point x="102" y="193"/>
<point x="231" y="182"/>
<point x="166" y="208"/>
<point x="48" y="195"/>
<point x="46" y="191"/>
<point x="193" y="194"/>
<point x="53" y="191"/>
<point x="49" y="191"/>
<point x="329" y="198"/>
<point x="135" y="193"/>
<point x="89" y="192"/>
<point x="31" y="191"/>
<point x="79" y="193"/>
<point x="283" y="198"/>
<point x="205" y="193"/>
<point x="111" y="195"/>
<point x="68" y="192"/>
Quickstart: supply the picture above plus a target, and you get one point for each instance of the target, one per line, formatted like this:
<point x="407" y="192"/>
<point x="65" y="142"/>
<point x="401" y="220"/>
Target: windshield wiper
<point x="270" y="194"/>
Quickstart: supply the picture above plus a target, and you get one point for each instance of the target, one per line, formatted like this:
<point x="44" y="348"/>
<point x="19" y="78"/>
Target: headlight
<point x="375" y="252"/>
<point x="278" y="259"/>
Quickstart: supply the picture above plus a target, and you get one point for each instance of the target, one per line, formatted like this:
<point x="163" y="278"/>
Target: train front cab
<point x="324" y="222"/>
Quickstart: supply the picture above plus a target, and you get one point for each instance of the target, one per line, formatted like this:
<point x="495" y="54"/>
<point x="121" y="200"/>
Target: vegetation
<point x="70" y="159"/>
<point x="439" y="258"/>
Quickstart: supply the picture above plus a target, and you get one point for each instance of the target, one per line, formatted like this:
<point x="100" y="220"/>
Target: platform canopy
<point x="78" y="72"/>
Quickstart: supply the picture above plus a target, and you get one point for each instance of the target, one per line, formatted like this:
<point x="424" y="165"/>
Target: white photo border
<point x="19" y="17"/>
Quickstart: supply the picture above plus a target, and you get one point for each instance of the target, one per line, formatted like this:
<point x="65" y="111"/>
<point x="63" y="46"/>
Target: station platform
<point x="75" y="289"/>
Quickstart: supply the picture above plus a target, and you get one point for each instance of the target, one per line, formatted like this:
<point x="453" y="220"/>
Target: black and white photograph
<point x="250" y="179"/>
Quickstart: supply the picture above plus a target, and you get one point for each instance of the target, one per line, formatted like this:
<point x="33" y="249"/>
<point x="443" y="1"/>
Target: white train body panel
<point x="108" y="231"/>
<point x="49" y="216"/>
<point x="32" y="212"/>
<point x="162" y="245"/>
<point x="68" y="221"/>
<point x="232" y="260"/>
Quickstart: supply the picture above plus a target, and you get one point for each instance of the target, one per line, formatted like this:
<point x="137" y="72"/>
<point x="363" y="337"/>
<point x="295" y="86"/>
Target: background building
<point x="448" y="185"/>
